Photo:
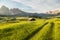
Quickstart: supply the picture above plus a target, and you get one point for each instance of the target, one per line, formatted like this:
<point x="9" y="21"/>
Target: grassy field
<point x="41" y="29"/>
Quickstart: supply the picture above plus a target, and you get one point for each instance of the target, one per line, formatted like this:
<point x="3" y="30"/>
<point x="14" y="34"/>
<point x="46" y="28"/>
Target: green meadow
<point x="40" y="29"/>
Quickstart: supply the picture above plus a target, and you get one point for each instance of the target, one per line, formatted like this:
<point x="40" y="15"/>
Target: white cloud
<point x="1" y="4"/>
<point x="40" y="5"/>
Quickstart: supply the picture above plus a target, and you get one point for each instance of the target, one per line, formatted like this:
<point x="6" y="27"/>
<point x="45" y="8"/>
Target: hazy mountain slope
<point x="17" y="12"/>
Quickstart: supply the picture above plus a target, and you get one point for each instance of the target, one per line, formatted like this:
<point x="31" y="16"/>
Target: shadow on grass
<point x="33" y="33"/>
<point x="6" y="32"/>
<point x="49" y="34"/>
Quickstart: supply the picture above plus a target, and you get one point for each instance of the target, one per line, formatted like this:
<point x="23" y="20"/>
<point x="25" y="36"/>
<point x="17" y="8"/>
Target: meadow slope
<point x="31" y="30"/>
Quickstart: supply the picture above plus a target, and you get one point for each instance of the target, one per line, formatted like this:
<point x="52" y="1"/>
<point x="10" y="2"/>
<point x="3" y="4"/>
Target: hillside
<point x="40" y="29"/>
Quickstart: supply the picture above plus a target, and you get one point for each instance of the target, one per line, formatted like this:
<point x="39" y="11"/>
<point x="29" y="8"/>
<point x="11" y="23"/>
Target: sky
<point x="35" y="6"/>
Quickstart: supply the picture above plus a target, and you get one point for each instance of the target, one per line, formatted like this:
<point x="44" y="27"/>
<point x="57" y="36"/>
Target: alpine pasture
<point x="40" y="29"/>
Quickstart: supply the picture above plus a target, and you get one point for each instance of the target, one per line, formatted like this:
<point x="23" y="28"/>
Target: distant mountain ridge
<point x="17" y="12"/>
<point x="54" y="12"/>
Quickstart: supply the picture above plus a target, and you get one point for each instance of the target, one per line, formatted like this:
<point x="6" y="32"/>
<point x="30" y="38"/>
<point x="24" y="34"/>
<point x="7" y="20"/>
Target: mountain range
<point x="17" y="12"/>
<point x="54" y="12"/>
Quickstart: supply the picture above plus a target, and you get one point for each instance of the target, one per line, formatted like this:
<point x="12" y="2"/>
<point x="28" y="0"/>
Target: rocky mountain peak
<point x="53" y="12"/>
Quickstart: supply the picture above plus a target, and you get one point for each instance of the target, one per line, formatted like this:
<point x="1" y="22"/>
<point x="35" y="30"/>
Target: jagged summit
<point x="17" y="12"/>
<point x="54" y="12"/>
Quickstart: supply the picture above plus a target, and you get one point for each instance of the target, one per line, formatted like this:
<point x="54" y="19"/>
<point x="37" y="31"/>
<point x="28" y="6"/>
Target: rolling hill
<point x="36" y="30"/>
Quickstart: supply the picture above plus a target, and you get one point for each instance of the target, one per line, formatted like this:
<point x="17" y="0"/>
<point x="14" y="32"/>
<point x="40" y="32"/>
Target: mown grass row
<point x="31" y="30"/>
<point x="19" y="32"/>
<point x="57" y="31"/>
<point x="45" y="33"/>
